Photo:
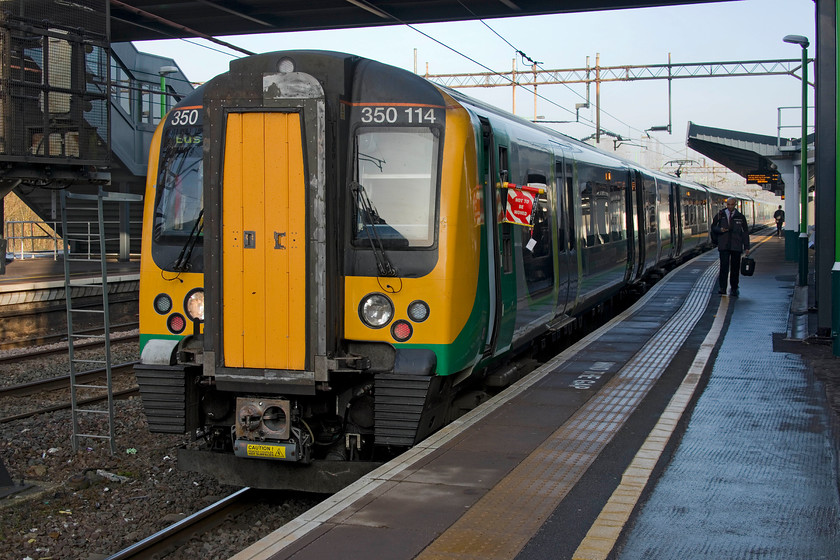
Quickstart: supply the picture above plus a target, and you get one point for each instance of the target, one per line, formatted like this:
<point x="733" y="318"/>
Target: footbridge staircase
<point x="78" y="113"/>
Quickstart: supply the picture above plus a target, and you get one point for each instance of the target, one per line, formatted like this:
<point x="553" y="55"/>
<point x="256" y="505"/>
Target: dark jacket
<point x="737" y="238"/>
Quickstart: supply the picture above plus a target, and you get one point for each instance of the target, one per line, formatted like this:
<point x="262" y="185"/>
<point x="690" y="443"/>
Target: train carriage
<point x="334" y="249"/>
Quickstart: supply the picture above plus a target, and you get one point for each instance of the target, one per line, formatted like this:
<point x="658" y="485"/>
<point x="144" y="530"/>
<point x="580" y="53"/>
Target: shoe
<point x="734" y="292"/>
<point x="722" y="292"/>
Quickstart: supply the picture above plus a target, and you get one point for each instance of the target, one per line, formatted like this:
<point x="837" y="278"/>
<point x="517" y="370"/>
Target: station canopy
<point x="142" y="20"/>
<point x="742" y="152"/>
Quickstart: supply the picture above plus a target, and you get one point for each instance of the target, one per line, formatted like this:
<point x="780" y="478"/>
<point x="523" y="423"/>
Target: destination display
<point x="763" y="177"/>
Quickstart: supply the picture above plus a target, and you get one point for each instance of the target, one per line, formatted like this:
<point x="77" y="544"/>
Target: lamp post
<point x="835" y="271"/>
<point x="164" y="71"/>
<point x="803" y="170"/>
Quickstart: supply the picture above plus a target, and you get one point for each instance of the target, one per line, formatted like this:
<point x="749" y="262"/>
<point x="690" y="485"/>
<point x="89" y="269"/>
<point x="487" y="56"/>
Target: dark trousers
<point x="730" y="267"/>
<point x="779" y="229"/>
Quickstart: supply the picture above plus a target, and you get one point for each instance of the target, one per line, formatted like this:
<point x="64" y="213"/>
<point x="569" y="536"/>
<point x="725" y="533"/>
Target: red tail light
<point x="176" y="323"/>
<point x="401" y="331"/>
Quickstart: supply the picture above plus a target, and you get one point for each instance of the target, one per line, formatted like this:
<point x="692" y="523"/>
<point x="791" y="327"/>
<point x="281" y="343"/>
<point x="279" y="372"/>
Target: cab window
<point x="397" y="176"/>
<point x="180" y="194"/>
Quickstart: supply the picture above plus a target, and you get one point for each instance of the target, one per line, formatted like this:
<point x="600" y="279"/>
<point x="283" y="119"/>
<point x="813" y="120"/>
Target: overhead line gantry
<point x="598" y="74"/>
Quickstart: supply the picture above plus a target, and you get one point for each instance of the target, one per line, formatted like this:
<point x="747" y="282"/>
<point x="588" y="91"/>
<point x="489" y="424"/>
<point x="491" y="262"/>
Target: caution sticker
<point x="267" y="451"/>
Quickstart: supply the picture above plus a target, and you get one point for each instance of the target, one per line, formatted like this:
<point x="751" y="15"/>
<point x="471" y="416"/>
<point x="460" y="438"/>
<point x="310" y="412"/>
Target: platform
<point x="41" y="279"/>
<point x="674" y="431"/>
<point x="33" y="301"/>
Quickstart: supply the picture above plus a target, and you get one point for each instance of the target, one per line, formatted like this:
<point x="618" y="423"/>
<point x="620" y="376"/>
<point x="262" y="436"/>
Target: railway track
<point x="116" y="338"/>
<point x="60" y="383"/>
<point x="167" y="540"/>
<point x="45" y="339"/>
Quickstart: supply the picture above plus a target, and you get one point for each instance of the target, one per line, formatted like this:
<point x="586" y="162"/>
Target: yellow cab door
<point x="264" y="242"/>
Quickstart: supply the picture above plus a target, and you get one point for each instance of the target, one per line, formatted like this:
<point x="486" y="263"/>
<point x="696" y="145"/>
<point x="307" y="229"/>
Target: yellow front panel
<point x="450" y="289"/>
<point x="153" y="280"/>
<point x="264" y="250"/>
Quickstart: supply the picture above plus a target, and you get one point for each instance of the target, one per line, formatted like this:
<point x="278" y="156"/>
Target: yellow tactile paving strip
<point x="508" y="516"/>
<point x="604" y="533"/>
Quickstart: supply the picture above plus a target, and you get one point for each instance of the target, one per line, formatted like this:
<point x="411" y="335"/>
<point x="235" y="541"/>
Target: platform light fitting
<point x="797" y="40"/>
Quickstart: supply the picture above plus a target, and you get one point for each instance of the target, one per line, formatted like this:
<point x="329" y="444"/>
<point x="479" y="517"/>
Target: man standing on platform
<point x="730" y="229"/>
<point x="779" y="216"/>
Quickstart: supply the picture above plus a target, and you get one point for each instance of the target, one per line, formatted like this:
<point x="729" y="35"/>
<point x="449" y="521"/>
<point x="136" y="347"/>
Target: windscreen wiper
<point x="183" y="264"/>
<point x="369" y="220"/>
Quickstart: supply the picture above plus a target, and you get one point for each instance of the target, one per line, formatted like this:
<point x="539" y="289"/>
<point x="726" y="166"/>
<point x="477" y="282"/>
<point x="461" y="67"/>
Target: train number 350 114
<point x="393" y="115"/>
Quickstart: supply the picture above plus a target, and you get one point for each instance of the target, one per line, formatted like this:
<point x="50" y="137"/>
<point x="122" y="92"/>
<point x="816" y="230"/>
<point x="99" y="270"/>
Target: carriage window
<point x="602" y="204"/>
<point x="617" y="211"/>
<point x="397" y="170"/>
<point x="537" y="245"/>
<point x="180" y="194"/>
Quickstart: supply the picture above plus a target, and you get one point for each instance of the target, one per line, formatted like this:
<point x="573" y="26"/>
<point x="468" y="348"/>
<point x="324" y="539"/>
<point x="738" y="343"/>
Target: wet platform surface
<point x="674" y="431"/>
<point x="755" y="474"/>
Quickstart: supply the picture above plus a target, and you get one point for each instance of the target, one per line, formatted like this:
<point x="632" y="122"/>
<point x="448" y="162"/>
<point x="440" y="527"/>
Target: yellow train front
<point x="329" y="281"/>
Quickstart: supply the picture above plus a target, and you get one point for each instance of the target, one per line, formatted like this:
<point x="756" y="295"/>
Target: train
<point x="335" y="249"/>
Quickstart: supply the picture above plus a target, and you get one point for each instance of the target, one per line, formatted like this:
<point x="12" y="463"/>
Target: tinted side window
<point x="537" y="246"/>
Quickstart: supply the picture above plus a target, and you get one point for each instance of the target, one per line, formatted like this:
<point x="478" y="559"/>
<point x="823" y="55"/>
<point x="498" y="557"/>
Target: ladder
<point x="80" y="408"/>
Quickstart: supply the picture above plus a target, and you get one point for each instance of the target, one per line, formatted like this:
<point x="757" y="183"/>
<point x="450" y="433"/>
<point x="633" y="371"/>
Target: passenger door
<point x="501" y="276"/>
<point x="649" y="198"/>
<point x="666" y="228"/>
<point x="565" y="234"/>
<point x="676" y="219"/>
<point x="632" y="225"/>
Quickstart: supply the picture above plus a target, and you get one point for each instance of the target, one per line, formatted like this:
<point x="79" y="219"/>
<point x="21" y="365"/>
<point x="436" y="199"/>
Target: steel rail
<point x="117" y="394"/>
<point x="60" y="382"/>
<point x="170" y="538"/>
<point x="58" y="337"/>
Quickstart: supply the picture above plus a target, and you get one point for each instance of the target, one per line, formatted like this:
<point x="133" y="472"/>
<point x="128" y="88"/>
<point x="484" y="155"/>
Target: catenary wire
<point x="583" y="120"/>
<point x="539" y="65"/>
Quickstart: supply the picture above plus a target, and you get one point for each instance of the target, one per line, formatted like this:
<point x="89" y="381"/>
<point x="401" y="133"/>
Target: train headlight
<point x="418" y="311"/>
<point x="376" y="310"/>
<point x="194" y="304"/>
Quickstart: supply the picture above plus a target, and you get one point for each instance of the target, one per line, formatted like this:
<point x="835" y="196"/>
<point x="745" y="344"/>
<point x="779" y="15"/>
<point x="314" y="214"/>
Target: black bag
<point x="747" y="266"/>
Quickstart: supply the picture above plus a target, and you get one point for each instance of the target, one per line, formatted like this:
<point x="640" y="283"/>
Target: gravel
<point x="90" y="504"/>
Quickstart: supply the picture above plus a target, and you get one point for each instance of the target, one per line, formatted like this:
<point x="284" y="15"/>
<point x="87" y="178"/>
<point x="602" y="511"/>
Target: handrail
<point x="15" y="234"/>
<point x="798" y="125"/>
<point x="50" y="242"/>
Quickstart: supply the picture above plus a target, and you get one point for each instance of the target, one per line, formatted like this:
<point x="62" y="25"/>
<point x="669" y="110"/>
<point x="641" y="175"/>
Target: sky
<point x="745" y="30"/>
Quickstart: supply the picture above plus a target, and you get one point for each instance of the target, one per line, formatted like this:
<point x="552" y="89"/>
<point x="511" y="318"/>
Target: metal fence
<point x="29" y="239"/>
